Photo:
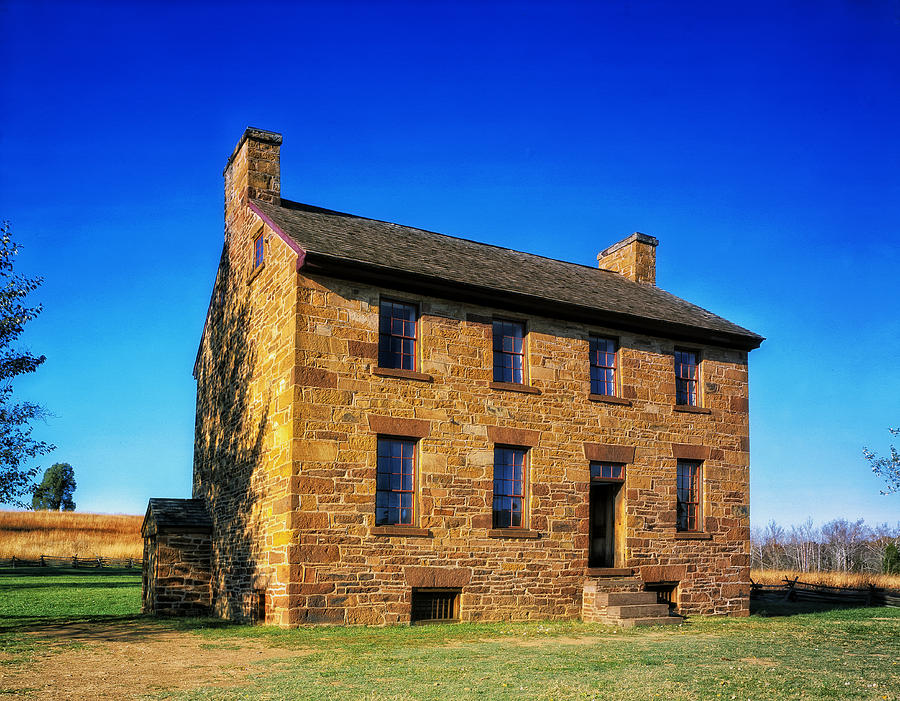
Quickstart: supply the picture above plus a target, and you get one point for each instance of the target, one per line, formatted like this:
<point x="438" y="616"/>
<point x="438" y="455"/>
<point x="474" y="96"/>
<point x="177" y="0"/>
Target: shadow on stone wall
<point x="228" y="441"/>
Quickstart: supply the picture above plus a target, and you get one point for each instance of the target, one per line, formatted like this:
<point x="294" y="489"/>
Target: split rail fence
<point x="795" y="590"/>
<point x="73" y="561"/>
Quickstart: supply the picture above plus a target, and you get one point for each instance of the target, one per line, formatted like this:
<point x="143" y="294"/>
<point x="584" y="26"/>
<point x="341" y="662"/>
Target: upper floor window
<point x="397" y="335"/>
<point x="509" y="351"/>
<point x="603" y="366"/>
<point x="686" y="371"/>
<point x="395" y="481"/>
<point x="509" y="487"/>
<point x="689" y="495"/>
<point x="258" y="251"/>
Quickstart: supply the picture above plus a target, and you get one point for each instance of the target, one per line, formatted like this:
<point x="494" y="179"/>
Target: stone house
<point x="394" y="425"/>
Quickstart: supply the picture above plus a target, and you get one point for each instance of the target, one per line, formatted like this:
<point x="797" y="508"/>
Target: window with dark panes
<point x="395" y="481"/>
<point x="686" y="368"/>
<point x="603" y="366"/>
<point x="509" y="351"/>
<point x="509" y="487"/>
<point x="612" y="471"/>
<point x="397" y="335"/>
<point x="689" y="495"/>
<point x="258" y="251"/>
<point x="430" y="605"/>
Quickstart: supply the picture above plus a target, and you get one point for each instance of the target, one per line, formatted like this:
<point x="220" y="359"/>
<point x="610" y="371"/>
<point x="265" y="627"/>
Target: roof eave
<point x="347" y="269"/>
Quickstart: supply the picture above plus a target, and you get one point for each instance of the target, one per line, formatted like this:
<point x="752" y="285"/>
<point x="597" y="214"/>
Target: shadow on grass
<point x="68" y="572"/>
<point x="100" y="628"/>
<point x="771" y="607"/>
<point x="80" y="585"/>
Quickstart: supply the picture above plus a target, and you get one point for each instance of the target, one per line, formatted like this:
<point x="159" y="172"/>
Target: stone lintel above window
<point x="601" y="452"/>
<point x="437" y="577"/>
<point x="392" y="426"/>
<point x="683" y="451"/>
<point x="503" y="435"/>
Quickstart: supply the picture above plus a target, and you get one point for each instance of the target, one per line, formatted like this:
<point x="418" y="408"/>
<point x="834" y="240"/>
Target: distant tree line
<point x="836" y="546"/>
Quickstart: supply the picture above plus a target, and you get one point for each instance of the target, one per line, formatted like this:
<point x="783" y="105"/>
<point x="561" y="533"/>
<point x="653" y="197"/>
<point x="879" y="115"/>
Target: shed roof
<point x="176" y="514"/>
<point x="353" y="247"/>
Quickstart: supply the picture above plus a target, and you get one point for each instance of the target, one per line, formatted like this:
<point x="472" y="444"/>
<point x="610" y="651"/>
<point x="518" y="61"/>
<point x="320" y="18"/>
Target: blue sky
<point x="758" y="142"/>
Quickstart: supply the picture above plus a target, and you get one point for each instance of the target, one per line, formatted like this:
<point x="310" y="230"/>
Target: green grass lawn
<point x="41" y="594"/>
<point x="777" y="653"/>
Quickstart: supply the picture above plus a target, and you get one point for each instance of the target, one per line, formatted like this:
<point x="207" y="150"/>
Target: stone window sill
<point x="690" y="409"/>
<point x="608" y="399"/>
<point x="609" y="572"/>
<point x="256" y="272"/>
<point x="515" y="387"/>
<point x="690" y="535"/>
<point x="404" y="374"/>
<point x="401" y="531"/>
<point x="513" y="533"/>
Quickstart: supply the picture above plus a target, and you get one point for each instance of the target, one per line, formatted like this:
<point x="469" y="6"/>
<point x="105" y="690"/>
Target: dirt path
<point x="131" y="659"/>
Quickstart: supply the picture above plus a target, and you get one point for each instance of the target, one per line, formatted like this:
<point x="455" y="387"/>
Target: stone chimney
<point x="253" y="171"/>
<point x="634" y="257"/>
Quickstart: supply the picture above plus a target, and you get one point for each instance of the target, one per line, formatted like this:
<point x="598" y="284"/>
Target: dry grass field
<point x="834" y="579"/>
<point x="30" y="534"/>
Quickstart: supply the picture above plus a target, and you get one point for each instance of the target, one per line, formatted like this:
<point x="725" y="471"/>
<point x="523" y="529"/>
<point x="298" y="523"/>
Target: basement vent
<point x="434" y="605"/>
<point x="666" y="593"/>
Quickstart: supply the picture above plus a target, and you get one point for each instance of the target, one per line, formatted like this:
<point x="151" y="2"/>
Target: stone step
<point x="650" y="621"/>
<point x="626" y="598"/>
<point x="638" y="611"/>
<point x="615" y="582"/>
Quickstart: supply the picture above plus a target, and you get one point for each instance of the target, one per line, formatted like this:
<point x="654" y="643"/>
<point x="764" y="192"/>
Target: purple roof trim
<point x="295" y="247"/>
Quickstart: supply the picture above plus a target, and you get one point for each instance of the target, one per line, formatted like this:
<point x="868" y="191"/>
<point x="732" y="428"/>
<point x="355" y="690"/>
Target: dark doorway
<point x="603" y="499"/>
<point x="666" y="593"/>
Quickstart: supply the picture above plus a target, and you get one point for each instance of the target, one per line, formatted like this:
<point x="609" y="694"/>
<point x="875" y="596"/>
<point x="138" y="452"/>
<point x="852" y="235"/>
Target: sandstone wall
<point x="344" y="569"/>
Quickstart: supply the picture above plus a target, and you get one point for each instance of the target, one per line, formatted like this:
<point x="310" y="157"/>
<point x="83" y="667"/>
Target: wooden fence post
<point x="75" y="561"/>
<point x="790" y="585"/>
<point x="43" y="564"/>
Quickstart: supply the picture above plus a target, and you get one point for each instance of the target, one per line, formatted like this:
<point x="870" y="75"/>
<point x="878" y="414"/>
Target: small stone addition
<point x="177" y="550"/>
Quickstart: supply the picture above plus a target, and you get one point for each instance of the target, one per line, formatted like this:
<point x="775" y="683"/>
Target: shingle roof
<point x="182" y="514"/>
<point x="359" y="243"/>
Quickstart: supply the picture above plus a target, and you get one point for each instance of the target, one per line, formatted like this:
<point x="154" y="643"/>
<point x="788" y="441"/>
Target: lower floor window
<point x="689" y="495"/>
<point x="395" y="481"/>
<point x="509" y="487"/>
<point x="434" y="605"/>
